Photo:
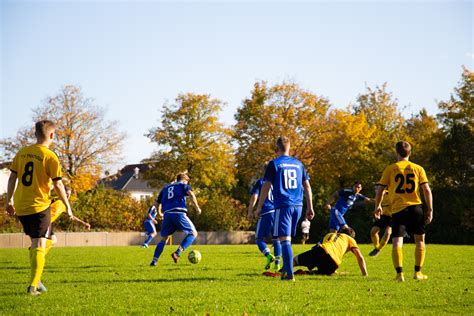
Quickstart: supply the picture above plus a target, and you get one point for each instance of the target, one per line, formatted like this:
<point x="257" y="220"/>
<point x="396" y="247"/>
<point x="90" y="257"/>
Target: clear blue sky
<point x="132" y="57"/>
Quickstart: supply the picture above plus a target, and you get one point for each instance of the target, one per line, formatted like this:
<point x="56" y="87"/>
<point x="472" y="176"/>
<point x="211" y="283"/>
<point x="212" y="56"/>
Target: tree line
<point x="337" y="145"/>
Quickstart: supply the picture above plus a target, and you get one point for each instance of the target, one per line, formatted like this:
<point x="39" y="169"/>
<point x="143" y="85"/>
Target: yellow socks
<point x="37" y="261"/>
<point x="383" y="242"/>
<point x="397" y="258"/>
<point x="49" y="244"/>
<point x="419" y="257"/>
<point x="375" y="240"/>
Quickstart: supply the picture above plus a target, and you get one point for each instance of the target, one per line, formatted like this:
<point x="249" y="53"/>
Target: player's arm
<point x="263" y="196"/>
<point x="10" y="190"/>
<point x="378" y="201"/>
<point x="429" y="202"/>
<point x="360" y="260"/>
<point x="309" y="200"/>
<point x="61" y="192"/>
<point x="368" y="200"/>
<point x="333" y="197"/>
<point x="195" y="202"/>
<point x="80" y="221"/>
<point x="253" y="200"/>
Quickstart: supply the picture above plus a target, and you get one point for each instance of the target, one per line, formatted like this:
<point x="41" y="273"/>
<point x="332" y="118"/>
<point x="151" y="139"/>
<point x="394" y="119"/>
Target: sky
<point x="132" y="57"/>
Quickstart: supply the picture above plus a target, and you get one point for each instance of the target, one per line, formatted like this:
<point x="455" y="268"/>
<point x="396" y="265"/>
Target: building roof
<point x="128" y="179"/>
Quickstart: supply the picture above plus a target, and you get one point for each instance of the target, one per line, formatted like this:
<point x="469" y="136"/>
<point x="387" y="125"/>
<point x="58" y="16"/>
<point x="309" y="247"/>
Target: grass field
<point x="228" y="280"/>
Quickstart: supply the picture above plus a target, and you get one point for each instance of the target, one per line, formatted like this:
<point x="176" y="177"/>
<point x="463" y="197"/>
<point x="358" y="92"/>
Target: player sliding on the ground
<point x="404" y="180"/>
<point x="171" y="204"/>
<point x="327" y="255"/>
<point x="265" y="225"/>
<point x="381" y="223"/>
<point x="345" y="200"/>
<point x="37" y="168"/>
<point x="149" y="224"/>
<point x="289" y="179"/>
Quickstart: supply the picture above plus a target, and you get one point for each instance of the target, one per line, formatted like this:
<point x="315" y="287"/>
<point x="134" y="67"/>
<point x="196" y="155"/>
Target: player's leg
<point x="399" y="221"/>
<point x="263" y="230"/>
<point x="385" y="237"/>
<point x="288" y="220"/>
<point x="374" y="236"/>
<point x="150" y="233"/>
<point x="184" y="224"/>
<point x="418" y="230"/>
<point x="159" y="250"/>
<point x="167" y="229"/>
<point x="333" y="222"/>
<point x="277" y="253"/>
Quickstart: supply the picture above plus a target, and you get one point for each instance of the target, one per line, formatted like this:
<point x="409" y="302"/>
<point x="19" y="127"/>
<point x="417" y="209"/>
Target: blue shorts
<point x="176" y="221"/>
<point x="265" y="225"/>
<point x="149" y="227"/>
<point x="336" y="220"/>
<point x="286" y="220"/>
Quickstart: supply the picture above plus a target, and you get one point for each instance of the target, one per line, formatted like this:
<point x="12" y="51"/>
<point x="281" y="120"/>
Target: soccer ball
<point x="194" y="256"/>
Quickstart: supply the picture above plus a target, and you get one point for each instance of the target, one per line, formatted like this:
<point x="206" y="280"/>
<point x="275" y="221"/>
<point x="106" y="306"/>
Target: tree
<point x="192" y="139"/>
<point x="85" y="142"/>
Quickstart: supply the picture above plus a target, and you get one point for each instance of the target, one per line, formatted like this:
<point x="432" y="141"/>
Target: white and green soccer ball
<point x="194" y="256"/>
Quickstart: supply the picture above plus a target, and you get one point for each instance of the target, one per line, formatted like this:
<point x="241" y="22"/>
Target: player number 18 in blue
<point x="290" y="178"/>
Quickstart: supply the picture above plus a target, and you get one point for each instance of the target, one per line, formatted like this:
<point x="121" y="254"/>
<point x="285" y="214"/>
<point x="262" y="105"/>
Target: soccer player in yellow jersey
<point x="36" y="168"/>
<point x="384" y="221"/>
<point x="403" y="180"/>
<point x="327" y="255"/>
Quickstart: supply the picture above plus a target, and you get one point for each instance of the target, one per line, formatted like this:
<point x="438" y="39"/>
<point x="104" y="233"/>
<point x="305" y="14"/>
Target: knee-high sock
<point x="49" y="245"/>
<point x="287" y="254"/>
<point x="148" y="239"/>
<point x="277" y="250"/>
<point x="383" y="242"/>
<point x="419" y="258"/>
<point x="187" y="241"/>
<point x="375" y="239"/>
<point x="262" y="246"/>
<point x="397" y="258"/>
<point x="37" y="261"/>
<point x="159" y="250"/>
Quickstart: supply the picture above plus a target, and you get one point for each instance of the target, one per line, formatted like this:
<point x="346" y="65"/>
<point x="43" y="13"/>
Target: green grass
<point x="228" y="280"/>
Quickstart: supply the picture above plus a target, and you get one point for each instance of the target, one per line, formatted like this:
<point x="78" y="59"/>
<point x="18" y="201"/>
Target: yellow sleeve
<point x="53" y="167"/>
<point x="423" y="177"/>
<point x="385" y="180"/>
<point x="352" y="243"/>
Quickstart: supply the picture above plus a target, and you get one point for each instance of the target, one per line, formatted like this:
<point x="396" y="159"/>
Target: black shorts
<point x="37" y="225"/>
<point x="317" y="257"/>
<point x="410" y="220"/>
<point x="383" y="222"/>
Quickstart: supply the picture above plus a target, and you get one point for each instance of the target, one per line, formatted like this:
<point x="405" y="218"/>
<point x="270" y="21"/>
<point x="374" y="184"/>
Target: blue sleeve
<point x="341" y="193"/>
<point x="256" y="188"/>
<point x="187" y="188"/>
<point x="305" y="174"/>
<point x="270" y="172"/>
<point x="361" y="197"/>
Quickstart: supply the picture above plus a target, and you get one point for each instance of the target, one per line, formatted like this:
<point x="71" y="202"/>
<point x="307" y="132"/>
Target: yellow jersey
<point x="57" y="208"/>
<point x="337" y="244"/>
<point x="36" y="166"/>
<point x="386" y="207"/>
<point x="403" y="180"/>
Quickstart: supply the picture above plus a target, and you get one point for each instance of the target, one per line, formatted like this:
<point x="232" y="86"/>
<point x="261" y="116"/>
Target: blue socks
<point x="187" y="241"/>
<point x="276" y="250"/>
<point x="287" y="253"/>
<point x="262" y="246"/>
<point x="158" y="250"/>
<point x="147" y="240"/>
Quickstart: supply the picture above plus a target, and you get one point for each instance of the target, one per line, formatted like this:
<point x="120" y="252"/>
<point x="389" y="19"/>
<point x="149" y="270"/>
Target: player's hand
<point x="155" y="221"/>
<point x="309" y="214"/>
<point x="327" y="206"/>
<point x="10" y="210"/>
<point x="257" y="213"/>
<point x="250" y="216"/>
<point x="199" y="211"/>
<point x="428" y="217"/>
<point x="88" y="226"/>
<point x="377" y="212"/>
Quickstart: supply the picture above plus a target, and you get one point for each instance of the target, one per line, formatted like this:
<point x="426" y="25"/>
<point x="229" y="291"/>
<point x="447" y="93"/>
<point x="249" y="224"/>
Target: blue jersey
<point x="173" y="197"/>
<point x="153" y="212"/>
<point x="268" y="204"/>
<point x="287" y="175"/>
<point x="347" y="198"/>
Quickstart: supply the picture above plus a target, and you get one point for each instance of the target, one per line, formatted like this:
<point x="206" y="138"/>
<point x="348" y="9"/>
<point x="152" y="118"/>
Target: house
<point x="4" y="175"/>
<point x="130" y="179"/>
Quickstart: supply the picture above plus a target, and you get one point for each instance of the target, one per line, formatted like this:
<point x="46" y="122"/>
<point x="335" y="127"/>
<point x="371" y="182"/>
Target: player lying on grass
<point x="171" y="204"/>
<point x="265" y="225"/>
<point x="384" y="221"/>
<point x="345" y="200"/>
<point x="327" y="255"/>
<point x="149" y="224"/>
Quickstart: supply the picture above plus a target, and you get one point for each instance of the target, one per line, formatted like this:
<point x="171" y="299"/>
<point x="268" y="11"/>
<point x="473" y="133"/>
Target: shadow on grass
<point x="174" y="280"/>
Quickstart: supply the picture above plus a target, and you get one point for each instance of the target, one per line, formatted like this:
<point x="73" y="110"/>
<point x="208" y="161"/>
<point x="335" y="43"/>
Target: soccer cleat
<point x="420" y="276"/>
<point x="374" y="253"/>
<point x="153" y="263"/>
<point x="400" y="277"/>
<point x="144" y="246"/>
<point x="175" y="257"/>
<point x="41" y="287"/>
<point x="270" y="259"/>
<point x="277" y="267"/>
<point x="301" y="272"/>
<point x="32" y="291"/>
<point x="271" y="274"/>
<point x="286" y="277"/>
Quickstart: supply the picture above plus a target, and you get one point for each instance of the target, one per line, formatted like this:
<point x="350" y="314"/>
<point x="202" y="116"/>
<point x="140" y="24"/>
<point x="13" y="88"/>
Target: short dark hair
<point x="43" y="127"/>
<point x="348" y="231"/>
<point x="357" y="182"/>
<point x="182" y="176"/>
<point x="283" y="143"/>
<point x="403" y="148"/>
